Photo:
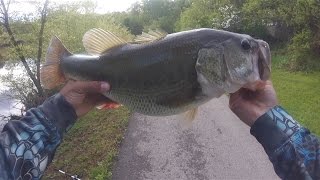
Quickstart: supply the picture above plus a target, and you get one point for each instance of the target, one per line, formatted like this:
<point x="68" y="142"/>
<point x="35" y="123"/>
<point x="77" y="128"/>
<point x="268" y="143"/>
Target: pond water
<point x="8" y="105"/>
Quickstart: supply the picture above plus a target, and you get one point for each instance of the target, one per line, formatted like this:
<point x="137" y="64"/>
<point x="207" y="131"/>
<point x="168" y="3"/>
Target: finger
<point x="237" y="94"/>
<point x="239" y="97"/>
<point x="91" y="101"/>
<point x="234" y="98"/>
<point x="91" y="86"/>
<point x="256" y="86"/>
<point x="269" y="82"/>
<point x="261" y="85"/>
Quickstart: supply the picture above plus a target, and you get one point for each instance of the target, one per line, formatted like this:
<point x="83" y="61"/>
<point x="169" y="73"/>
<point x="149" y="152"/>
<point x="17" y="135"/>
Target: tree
<point x="298" y="18"/>
<point x="154" y="14"/>
<point x="6" y="24"/>
<point x="28" y="37"/>
<point x="70" y="24"/>
<point x="222" y="14"/>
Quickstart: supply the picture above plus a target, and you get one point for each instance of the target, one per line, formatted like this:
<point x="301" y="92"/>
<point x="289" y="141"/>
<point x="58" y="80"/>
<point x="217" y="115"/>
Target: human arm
<point x="293" y="150"/>
<point x="27" y="146"/>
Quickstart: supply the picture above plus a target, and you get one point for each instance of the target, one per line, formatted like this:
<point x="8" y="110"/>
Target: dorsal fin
<point x="97" y="41"/>
<point x="151" y="36"/>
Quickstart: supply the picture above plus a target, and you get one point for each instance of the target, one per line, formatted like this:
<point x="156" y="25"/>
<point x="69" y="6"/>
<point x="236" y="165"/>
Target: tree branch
<point x="1" y="11"/>
<point x="8" y="4"/>
<point x="43" y="21"/>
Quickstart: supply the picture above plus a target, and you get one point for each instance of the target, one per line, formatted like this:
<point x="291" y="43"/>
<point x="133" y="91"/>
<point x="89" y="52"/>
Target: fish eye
<point x="245" y="44"/>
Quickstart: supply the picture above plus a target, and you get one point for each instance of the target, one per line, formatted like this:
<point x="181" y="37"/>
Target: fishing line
<point x="73" y="177"/>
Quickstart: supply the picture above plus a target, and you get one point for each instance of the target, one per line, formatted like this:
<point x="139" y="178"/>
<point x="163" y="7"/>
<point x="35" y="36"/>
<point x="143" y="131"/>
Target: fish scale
<point x="153" y="102"/>
<point x="166" y="74"/>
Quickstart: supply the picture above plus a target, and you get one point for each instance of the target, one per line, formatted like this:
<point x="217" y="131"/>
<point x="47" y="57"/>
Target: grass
<point x="298" y="93"/>
<point x="91" y="146"/>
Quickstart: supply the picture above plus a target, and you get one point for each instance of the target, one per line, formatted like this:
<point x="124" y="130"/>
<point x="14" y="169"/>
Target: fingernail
<point x="105" y="87"/>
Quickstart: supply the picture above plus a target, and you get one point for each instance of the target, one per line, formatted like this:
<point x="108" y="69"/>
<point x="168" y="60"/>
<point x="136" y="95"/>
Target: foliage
<point x="301" y="57"/>
<point x="28" y="90"/>
<point x="23" y="89"/>
<point x="70" y="26"/>
<point x="221" y="14"/>
<point x="299" y="19"/>
<point x="199" y="14"/>
<point x="69" y="22"/>
<point x="295" y="22"/>
<point x="22" y="31"/>
<point x="134" y="24"/>
<point x="154" y="14"/>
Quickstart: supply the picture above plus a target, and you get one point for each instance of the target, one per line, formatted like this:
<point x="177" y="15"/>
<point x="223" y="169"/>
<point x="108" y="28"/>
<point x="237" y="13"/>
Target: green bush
<point x="302" y="57"/>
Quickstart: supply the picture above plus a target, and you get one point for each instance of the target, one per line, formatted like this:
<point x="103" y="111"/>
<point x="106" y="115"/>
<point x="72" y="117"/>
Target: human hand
<point x="84" y="95"/>
<point x="249" y="105"/>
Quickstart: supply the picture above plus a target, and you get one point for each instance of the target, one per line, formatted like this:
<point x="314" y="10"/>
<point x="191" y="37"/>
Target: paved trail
<point x="216" y="146"/>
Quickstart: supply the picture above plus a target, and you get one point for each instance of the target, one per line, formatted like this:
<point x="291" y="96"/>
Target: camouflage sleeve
<point x="293" y="150"/>
<point x="27" y="146"/>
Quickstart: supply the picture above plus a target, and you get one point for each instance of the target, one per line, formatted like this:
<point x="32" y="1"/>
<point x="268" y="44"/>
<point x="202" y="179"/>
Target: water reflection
<point x="8" y="105"/>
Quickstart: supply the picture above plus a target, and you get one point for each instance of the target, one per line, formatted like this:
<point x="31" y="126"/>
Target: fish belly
<point x="158" y="102"/>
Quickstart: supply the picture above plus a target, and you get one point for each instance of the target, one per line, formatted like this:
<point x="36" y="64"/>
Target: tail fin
<point x="51" y="73"/>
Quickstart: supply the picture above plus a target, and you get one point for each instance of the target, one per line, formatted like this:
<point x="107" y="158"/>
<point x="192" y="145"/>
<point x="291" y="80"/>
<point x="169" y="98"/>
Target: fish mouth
<point x="261" y="70"/>
<point x="264" y="60"/>
<point x="262" y="67"/>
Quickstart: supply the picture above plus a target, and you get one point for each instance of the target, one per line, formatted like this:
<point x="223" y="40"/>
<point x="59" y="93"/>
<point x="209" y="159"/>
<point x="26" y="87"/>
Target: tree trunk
<point x="43" y="22"/>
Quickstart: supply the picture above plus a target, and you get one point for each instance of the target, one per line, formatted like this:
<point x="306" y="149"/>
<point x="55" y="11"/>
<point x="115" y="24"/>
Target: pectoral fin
<point x="191" y="114"/>
<point x="110" y="105"/>
<point x="188" y="118"/>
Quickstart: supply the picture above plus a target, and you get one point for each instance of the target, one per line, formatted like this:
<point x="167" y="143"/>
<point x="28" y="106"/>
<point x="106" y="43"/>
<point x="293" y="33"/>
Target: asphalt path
<point x="216" y="146"/>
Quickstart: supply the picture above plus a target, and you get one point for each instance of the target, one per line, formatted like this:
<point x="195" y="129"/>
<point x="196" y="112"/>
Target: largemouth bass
<point x="164" y="75"/>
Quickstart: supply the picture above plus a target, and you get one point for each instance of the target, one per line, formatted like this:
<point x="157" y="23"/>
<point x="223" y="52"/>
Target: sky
<point x="103" y="6"/>
<point x="113" y="5"/>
